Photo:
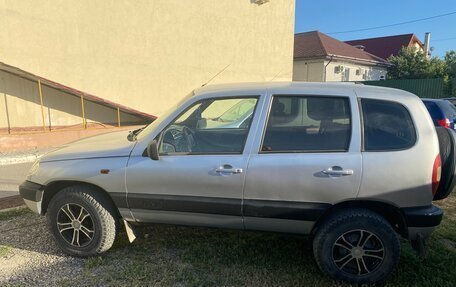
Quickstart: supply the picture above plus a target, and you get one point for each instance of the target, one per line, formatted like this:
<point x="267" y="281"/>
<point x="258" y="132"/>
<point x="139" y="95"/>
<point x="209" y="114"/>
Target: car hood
<point x="113" y="144"/>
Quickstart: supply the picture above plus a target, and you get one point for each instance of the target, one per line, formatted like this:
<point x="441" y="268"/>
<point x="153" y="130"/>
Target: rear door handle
<point x="337" y="171"/>
<point x="228" y="169"/>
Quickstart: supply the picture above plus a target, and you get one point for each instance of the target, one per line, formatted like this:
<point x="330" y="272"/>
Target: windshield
<point x="148" y="129"/>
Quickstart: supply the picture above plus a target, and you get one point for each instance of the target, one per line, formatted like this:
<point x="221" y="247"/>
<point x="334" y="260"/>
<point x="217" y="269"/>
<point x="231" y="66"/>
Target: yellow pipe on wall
<point x="41" y="103"/>
<point x="84" y="123"/>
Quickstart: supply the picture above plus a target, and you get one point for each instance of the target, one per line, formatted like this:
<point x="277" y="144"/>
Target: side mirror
<point x="152" y="150"/>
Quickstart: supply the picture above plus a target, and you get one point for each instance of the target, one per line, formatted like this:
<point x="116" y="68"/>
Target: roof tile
<point x="316" y="44"/>
<point x="384" y="47"/>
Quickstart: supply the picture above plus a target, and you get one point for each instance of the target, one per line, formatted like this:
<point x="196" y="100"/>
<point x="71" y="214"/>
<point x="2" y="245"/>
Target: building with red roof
<point x="384" y="47"/>
<point x="320" y="58"/>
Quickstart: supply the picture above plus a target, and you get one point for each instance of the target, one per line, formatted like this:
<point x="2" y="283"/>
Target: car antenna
<point x="221" y="71"/>
<point x="276" y="75"/>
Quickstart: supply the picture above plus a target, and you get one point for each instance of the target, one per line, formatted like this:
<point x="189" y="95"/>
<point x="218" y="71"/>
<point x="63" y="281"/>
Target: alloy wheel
<point x="358" y="252"/>
<point x="75" y="225"/>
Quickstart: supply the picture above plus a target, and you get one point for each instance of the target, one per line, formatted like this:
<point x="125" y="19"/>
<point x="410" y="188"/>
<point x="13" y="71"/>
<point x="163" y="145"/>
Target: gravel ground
<point x="32" y="258"/>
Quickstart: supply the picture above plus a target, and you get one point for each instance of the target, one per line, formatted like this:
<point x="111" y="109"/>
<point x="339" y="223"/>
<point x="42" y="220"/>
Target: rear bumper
<point x="422" y="220"/>
<point x="32" y="193"/>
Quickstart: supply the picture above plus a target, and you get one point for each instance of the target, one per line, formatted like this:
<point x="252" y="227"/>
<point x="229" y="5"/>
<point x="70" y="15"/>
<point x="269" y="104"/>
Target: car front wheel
<point x="82" y="220"/>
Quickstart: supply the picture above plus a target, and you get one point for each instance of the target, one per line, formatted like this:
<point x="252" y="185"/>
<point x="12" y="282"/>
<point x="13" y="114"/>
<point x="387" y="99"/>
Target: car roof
<point x="282" y="87"/>
<point x="434" y="100"/>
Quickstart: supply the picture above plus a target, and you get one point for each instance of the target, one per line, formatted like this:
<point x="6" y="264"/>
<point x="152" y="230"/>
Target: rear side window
<point x="447" y="108"/>
<point x="387" y="126"/>
<point x="308" y="124"/>
<point x="433" y="110"/>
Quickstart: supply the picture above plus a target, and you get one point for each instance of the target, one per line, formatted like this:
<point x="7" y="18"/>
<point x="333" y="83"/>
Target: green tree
<point x="408" y="64"/>
<point x="437" y="68"/>
<point x="412" y="64"/>
<point x="450" y="61"/>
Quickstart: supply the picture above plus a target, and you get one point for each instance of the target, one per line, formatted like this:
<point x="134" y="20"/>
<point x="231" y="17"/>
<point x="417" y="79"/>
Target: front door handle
<point x="337" y="171"/>
<point x="226" y="168"/>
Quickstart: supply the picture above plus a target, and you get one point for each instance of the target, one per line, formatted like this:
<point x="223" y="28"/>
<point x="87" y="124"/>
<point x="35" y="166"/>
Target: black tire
<point x="97" y="229"/>
<point x="355" y="225"/>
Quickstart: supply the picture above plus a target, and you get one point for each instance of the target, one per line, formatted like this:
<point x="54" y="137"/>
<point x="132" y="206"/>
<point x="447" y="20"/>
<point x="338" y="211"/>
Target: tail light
<point x="436" y="173"/>
<point x="444" y="123"/>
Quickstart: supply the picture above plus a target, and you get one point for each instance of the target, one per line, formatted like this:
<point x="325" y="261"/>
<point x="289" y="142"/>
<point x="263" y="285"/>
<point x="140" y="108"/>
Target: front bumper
<point x="32" y="193"/>
<point x="422" y="220"/>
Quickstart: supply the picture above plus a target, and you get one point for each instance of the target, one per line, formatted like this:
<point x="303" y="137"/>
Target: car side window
<point x="211" y="126"/>
<point x="387" y="126"/>
<point x="308" y="124"/>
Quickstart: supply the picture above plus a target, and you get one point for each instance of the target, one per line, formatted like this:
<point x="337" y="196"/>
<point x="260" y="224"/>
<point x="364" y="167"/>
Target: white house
<point x="321" y="58"/>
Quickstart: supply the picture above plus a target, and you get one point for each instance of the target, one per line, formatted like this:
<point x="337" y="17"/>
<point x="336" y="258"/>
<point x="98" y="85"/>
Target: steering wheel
<point x="189" y="137"/>
<point x="181" y="138"/>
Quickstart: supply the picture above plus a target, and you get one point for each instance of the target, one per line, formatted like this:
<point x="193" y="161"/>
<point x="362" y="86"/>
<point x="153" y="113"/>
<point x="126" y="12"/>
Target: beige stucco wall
<point x="314" y="71"/>
<point x="308" y="71"/>
<point x="147" y="54"/>
<point x="20" y="104"/>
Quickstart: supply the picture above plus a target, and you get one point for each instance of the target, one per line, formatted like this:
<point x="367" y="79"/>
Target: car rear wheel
<point x="356" y="246"/>
<point x="82" y="220"/>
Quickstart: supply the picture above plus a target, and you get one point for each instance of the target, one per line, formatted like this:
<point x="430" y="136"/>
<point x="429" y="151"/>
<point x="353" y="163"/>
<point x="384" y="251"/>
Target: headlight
<point x="34" y="169"/>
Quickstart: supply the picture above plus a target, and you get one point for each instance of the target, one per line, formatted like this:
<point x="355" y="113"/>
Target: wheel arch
<point x="55" y="187"/>
<point x="388" y="211"/>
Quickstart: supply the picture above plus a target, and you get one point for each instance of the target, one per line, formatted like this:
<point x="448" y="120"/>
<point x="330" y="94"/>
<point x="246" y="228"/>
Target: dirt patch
<point x="11" y="201"/>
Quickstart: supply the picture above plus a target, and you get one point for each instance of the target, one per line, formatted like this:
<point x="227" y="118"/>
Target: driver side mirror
<point x="152" y="150"/>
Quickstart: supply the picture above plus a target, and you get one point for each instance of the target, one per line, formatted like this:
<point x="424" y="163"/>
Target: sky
<point x="335" y="16"/>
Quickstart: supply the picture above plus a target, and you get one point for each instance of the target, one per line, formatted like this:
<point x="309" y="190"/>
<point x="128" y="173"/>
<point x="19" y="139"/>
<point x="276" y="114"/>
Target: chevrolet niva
<point x="356" y="167"/>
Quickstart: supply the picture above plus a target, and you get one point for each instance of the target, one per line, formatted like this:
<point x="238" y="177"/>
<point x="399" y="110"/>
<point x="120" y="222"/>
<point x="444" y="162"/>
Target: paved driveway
<point x="11" y="176"/>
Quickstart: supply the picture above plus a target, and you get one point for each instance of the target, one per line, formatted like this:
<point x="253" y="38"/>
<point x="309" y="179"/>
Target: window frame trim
<point x="346" y="150"/>
<point x="159" y="135"/>
<point x="363" y="142"/>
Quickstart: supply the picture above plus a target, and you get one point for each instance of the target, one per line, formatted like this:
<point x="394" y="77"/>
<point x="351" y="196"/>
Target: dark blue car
<point x="443" y="113"/>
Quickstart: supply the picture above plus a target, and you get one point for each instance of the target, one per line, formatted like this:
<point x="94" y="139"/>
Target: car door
<point x="306" y="158"/>
<point x="199" y="177"/>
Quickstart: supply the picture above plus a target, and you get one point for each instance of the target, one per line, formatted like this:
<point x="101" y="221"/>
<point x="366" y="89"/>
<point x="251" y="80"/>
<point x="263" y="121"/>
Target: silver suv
<point x="354" y="166"/>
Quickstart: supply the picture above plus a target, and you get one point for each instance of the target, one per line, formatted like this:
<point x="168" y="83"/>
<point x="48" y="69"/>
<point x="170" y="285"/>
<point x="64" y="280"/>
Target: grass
<point x="190" y="256"/>
<point x="4" y="250"/>
<point x="13" y="212"/>
<point x="93" y="262"/>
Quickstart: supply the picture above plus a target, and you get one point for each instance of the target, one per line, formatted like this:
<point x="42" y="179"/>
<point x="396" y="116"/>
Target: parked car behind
<point x="355" y="166"/>
<point x="451" y="100"/>
<point x="443" y="112"/>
